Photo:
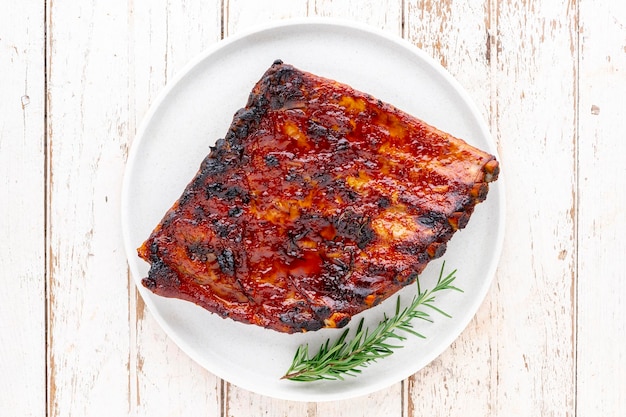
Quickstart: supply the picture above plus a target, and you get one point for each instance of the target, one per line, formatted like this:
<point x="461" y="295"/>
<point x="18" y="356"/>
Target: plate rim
<point x="459" y="324"/>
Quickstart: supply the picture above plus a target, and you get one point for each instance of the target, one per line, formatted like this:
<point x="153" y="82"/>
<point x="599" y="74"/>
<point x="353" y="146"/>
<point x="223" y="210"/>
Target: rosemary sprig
<point x="345" y="357"/>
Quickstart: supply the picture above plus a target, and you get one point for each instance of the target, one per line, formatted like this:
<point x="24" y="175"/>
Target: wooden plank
<point x="386" y="402"/>
<point x="22" y="211"/>
<point x="243" y="15"/>
<point x="88" y="330"/>
<point x="533" y="313"/>
<point x="240" y="402"/>
<point x="165" y="36"/>
<point x="460" y="381"/>
<point x="458" y="36"/>
<point x="601" y="353"/>
<point x="382" y="14"/>
<point x="495" y="368"/>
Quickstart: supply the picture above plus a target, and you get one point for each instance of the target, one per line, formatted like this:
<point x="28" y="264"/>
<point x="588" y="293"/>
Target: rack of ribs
<point x="320" y="202"/>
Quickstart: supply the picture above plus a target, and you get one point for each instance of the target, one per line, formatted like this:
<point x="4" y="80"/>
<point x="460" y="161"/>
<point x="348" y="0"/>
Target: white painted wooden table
<point x="77" y="77"/>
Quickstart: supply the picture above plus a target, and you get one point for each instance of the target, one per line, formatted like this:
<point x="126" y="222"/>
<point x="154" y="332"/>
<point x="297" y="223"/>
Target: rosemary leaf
<point x="345" y="357"/>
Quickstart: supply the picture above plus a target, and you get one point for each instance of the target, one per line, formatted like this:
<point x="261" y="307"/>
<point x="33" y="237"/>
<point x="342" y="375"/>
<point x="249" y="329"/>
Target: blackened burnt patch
<point x="432" y="219"/>
<point x="355" y="227"/>
<point x="211" y="166"/>
<point x="226" y="262"/>
<point x="316" y="132"/>
<point x="223" y="228"/>
<point x="283" y="88"/>
<point x="235" y="212"/>
<point x="227" y="192"/>
<point x="271" y="161"/>
<point x="383" y="202"/>
<point x="198" y="251"/>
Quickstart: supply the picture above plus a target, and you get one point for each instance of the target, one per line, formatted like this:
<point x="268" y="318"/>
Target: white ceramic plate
<point x="197" y="108"/>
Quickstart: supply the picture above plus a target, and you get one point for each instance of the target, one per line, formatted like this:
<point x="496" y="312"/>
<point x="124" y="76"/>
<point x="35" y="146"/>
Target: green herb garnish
<point x="345" y="357"/>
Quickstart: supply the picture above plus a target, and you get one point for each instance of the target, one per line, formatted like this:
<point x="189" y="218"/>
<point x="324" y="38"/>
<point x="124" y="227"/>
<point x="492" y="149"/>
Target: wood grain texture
<point x="382" y="14"/>
<point x="166" y="35"/>
<point x="525" y="63"/>
<point x="601" y="351"/>
<point x="534" y="308"/>
<point x="22" y="211"/>
<point x="457" y="35"/>
<point x="87" y="115"/>
<point x="243" y="15"/>
<point x="386" y="402"/>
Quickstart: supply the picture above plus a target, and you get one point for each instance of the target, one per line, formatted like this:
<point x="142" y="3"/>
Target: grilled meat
<point x="320" y="202"/>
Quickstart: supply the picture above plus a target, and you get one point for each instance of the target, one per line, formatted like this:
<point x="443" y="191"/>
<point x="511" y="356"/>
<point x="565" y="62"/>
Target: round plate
<point x="197" y="108"/>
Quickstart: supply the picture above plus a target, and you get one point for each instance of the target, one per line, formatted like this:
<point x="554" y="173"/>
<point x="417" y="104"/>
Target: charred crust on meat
<point x="235" y="212"/>
<point x="355" y="227"/>
<point x="149" y="283"/>
<point x="271" y="160"/>
<point x="222" y="227"/>
<point x="211" y="166"/>
<point x="301" y="319"/>
<point x="342" y="144"/>
<point x="321" y="311"/>
<point x="161" y="278"/>
<point x="317" y="132"/>
<point x="432" y="219"/>
<point x="227" y="192"/>
<point x="154" y="255"/>
<point x="405" y="277"/>
<point x="226" y="262"/>
<point x="383" y="202"/>
<point x="458" y="220"/>
<point x="199" y="251"/>
<point x="318" y="202"/>
<point x="342" y="322"/>
<point x="436" y="250"/>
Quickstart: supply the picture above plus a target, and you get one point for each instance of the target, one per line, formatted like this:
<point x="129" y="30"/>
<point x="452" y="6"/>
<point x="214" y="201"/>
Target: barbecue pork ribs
<point x="320" y="202"/>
